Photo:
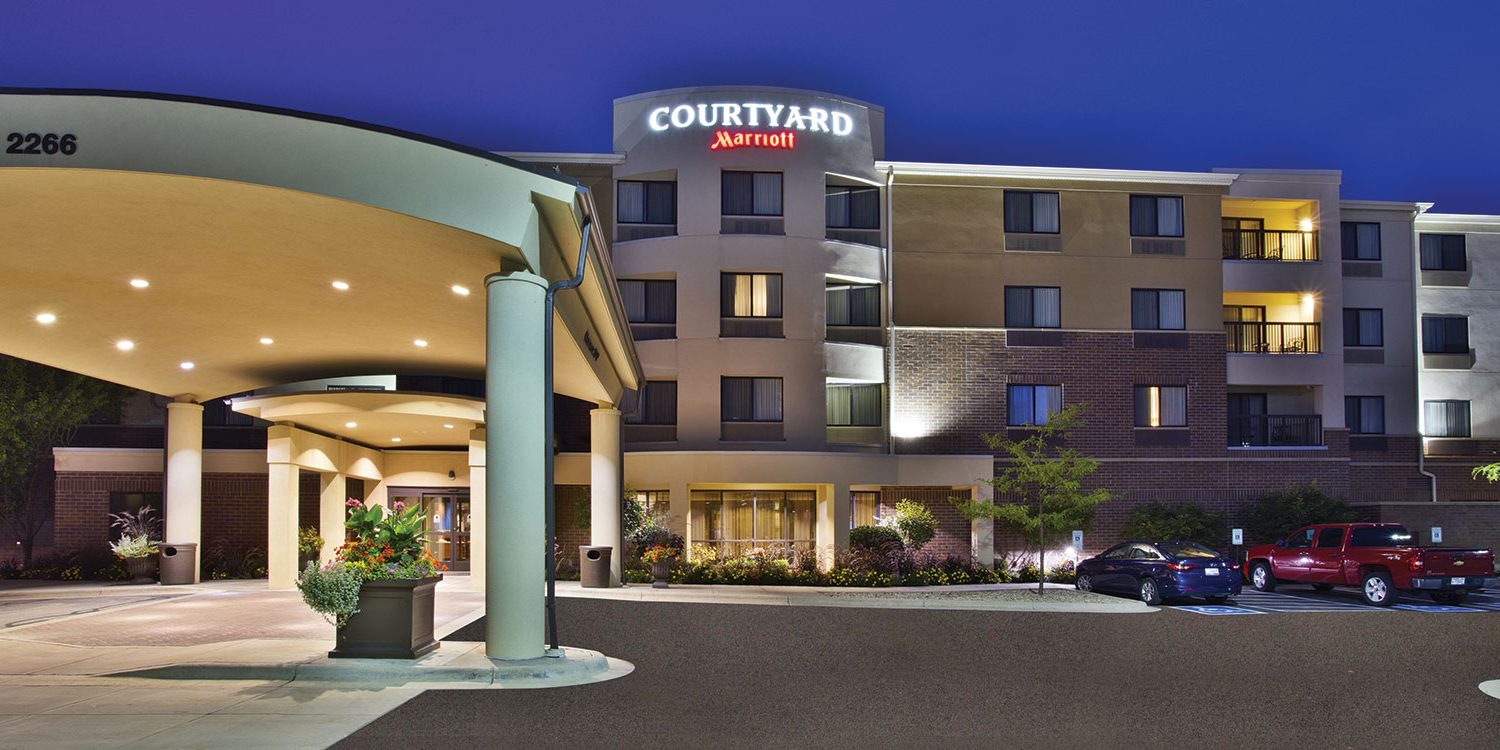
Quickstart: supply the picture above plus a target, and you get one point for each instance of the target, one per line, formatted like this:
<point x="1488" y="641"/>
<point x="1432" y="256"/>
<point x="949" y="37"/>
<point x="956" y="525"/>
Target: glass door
<point x="446" y="520"/>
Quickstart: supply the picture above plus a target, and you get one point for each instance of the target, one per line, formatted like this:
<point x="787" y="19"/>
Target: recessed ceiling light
<point x="187" y="365"/>
<point x="46" y="319"/>
<point x="460" y="290"/>
<point x="140" y="283"/>
<point x="351" y="425"/>
<point x="124" y="345"/>
<point x="395" y="440"/>
<point x="267" y="340"/>
<point x="447" y="426"/>
<point x="420" y="342"/>
<point x="342" y="286"/>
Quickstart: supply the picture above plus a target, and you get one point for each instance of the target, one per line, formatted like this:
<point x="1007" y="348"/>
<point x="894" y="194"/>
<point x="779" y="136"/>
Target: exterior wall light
<point x="46" y="319"/>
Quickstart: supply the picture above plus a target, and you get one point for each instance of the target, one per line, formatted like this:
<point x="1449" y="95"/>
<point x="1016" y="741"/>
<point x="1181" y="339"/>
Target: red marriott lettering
<point x="727" y="139"/>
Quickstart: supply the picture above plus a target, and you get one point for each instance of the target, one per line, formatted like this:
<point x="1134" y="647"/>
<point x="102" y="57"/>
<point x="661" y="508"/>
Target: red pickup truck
<point x="1379" y="558"/>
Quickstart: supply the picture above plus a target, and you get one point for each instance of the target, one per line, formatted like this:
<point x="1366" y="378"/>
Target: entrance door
<point x="446" y="521"/>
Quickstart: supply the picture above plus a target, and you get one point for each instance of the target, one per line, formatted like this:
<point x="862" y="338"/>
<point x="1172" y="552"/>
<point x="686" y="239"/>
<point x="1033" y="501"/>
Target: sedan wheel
<point x="1149" y="593"/>
<point x="1085" y="582"/>
<point x="1376" y="589"/>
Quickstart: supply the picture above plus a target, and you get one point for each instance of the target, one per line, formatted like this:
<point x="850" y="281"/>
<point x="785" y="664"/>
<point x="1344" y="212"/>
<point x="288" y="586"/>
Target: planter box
<point x="394" y="621"/>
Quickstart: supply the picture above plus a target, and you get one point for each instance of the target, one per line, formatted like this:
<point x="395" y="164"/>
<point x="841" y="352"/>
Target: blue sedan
<point x="1155" y="571"/>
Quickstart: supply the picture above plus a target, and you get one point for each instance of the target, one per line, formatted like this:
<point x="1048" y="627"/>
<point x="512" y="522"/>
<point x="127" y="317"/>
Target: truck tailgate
<point x="1451" y="561"/>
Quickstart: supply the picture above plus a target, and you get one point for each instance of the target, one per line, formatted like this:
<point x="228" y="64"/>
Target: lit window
<point x="1160" y="406"/>
<point x="1030" y="405"/>
<point x="750" y="295"/>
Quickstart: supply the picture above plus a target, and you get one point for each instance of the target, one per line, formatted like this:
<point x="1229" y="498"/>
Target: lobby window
<point x="1161" y="406"/>
<point x="734" y="522"/>
<point x="862" y="507"/>
<point x="750" y="305"/>
<point x="750" y="399"/>
<point x="1157" y="309"/>
<point x="654" y="403"/>
<point x="651" y="307"/>
<point x="1364" y="326"/>
<point x="854" y="405"/>
<point x="654" y="502"/>
<point x="1360" y="240"/>
<point x="1444" y="252"/>
<point x="1446" y="418"/>
<point x="1031" y="212"/>
<point x="1156" y="216"/>
<point x="1365" y="415"/>
<point x="1445" y="334"/>
<point x="1032" y="405"/>
<point x="1033" y="307"/>
<point x="850" y="207"/>
<point x="643" y="202"/>
<point x="751" y="194"/>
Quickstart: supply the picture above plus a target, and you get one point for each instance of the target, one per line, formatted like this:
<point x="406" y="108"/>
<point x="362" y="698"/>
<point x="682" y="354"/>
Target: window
<point x="1032" y="404"/>
<point x="1033" y="307"/>
<point x="1244" y="314"/>
<point x="1029" y="212"/>
<point x="1446" y="418"/>
<point x="1443" y="252"/>
<point x="750" y="399"/>
<point x="1379" y="536"/>
<point x="751" y="194"/>
<point x="1331" y="538"/>
<point x="647" y="202"/>
<point x="1364" y="326"/>
<point x="651" y="307"/>
<point x="1445" y="334"/>
<point x="1300" y="539"/>
<point x="1365" y="415"/>
<point x="1161" y="406"/>
<point x="1157" y="309"/>
<point x="854" y="405"/>
<point x="654" y="502"/>
<point x="750" y="295"/>
<point x="852" y="207"/>
<point x="655" y="403"/>
<point x="1143" y="552"/>
<point x="862" y="505"/>
<point x="133" y="502"/>
<point x="1155" y="216"/>
<point x="733" y="522"/>
<point x="854" y="305"/>
<point x="1360" y="240"/>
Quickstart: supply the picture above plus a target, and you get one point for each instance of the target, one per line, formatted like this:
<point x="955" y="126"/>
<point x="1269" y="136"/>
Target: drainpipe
<point x="551" y="441"/>
<point x="1416" y="270"/>
<point x="890" y="309"/>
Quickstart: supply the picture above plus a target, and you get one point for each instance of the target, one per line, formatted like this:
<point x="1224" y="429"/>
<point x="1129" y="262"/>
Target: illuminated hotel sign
<point x="785" y="121"/>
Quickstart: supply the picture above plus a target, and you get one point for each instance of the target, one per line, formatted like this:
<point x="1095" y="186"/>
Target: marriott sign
<point x="784" y="119"/>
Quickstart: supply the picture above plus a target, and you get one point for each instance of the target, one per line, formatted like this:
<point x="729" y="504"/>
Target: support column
<point x="515" y="521"/>
<point x="605" y="493"/>
<point x="332" y="494"/>
<point x="832" y="530"/>
<point x="982" y="530"/>
<point x="376" y="494"/>
<point x="184" y="485"/>
<point x="476" y="510"/>
<point x="281" y="525"/>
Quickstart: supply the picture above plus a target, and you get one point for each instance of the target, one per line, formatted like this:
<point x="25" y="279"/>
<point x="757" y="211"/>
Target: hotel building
<point x="822" y="331"/>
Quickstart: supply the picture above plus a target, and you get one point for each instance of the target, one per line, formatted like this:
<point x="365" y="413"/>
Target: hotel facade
<point x="822" y="331"/>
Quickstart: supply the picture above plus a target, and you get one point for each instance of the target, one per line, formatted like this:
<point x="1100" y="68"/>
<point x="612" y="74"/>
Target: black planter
<point x="394" y="621"/>
<point x="661" y="573"/>
<point x="141" y="569"/>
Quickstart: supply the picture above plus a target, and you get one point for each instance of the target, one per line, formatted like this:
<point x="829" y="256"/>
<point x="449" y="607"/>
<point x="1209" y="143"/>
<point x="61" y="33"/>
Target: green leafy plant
<point x="1490" y="472"/>
<point x="1280" y="512"/>
<point x="331" y="591"/>
<point x="914" y="522"/>
<point x="875" y="539"/>
<point x="1177" y="522"/>
<point x="131" y="547"/>
<point x="308" y="541"/>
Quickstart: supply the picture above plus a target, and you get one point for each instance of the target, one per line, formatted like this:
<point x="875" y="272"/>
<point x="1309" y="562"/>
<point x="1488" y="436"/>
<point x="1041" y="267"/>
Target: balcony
<point x="857" y="236"/>
<point x="628" y="232"/>
<point x="1270" y="244"/>
<point x="1276" y="430"/>
<point x="1273" y="338"/>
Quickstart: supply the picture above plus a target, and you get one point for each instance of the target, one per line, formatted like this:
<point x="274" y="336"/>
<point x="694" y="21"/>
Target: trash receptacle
<point x="593" y="566"/>
<point x="179" y="563"/>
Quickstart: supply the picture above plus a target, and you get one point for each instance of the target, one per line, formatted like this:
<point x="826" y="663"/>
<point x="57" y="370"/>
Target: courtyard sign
<point x="727" y="119"/>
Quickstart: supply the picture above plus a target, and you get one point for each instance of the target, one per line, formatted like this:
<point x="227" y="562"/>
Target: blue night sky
<point x="1401" y="96"/>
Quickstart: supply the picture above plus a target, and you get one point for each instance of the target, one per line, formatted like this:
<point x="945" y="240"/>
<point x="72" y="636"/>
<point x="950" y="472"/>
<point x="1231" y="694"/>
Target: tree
<point x="1045" y="477"/>
<point x="1280" y="512"/>
<point x="40" y="408"/>
<point x="1187" y="522"/>
<point x="1488" y="471"/>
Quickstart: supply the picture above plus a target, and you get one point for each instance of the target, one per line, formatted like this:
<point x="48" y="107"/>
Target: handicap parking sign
<point x="1219" y="610"/>
<point x="1434" y="608"/>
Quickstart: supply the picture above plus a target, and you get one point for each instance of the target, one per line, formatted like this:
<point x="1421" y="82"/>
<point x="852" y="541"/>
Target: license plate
<point x="1458" y="581"/>
<point x="1215" y="571"/>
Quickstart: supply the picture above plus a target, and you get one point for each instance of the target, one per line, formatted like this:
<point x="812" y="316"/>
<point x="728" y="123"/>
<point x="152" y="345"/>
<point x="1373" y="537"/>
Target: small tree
<point x="1046" y="479"/>
<point x="914" y="522"/>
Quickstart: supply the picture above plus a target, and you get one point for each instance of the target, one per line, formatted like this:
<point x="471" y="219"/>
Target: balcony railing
<point x="1276" y="430"/>
<point x="1270" y="244"/>
<point x="1273" y="338"/>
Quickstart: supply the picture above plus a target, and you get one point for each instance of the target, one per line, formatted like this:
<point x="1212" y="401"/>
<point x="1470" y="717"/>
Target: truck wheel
<point x="1323" y="586"/>
<point x="1450" y="597"/>
<point x="1149" y="593"/>
<point x="1376" y="589"/>
<point x="1261" y="578"/>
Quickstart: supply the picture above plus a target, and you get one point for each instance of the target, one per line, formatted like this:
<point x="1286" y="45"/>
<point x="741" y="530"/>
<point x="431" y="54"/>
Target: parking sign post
<point x="1238" y="539"/>
<point x="1077" y="544"/>
<point x="1437" y="535"/>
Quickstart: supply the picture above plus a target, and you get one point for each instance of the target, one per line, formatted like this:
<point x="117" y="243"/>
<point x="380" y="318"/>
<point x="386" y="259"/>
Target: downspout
<point x="1416" y="270"/>
<point x="890" y="309"/>
<point x="551" y="439"/>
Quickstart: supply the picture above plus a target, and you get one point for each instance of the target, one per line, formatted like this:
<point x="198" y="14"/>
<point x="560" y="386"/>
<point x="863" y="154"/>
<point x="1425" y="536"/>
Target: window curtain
<point x="1047" y="311"/>
<point x="661" y="302"/>
<point x="838" y="305"/>
<point x="735" y="396"/>
<point x="1022" y="405"/>
<point x="1143" y="309"/>
<point x="1447" y="418"/>
<point x="1365" y="415"/>
<point x="633" y="296"/>
<point x="1173" y="405"/>
<point x="750" y="295"/>
<point x="801" y="507"/>
<point x="1445" y="335"/>
<point x="632" y="202"/>
<point x="767" y="406"/>
<point x="770" y="516"/>
<point x="738" y="193"/>
<point x="1142" y="216"/>
<point x="1048" y="402"/>
<point x="1172" y="309"/>
<point x="661" y="203"/>
<point x="864" y="306"/>
<point x="1370" y="327"/>
<point x="864" y="208"/>
<point x="767" y="190"/>
<point x="1044" y="212"/>
<point x="837" y="207"/>
<point x="1361" y="240"/>
<point x="740" y="517"/>
<point x="1018" y="307"/>
<point x="838" y="406"/>
<point x="1169" y="217"/>
<point x="1432" y="252"/>
<point x="862" y="508"/>
<point x="659" y="402"/>
<point x="1017" y="211"/>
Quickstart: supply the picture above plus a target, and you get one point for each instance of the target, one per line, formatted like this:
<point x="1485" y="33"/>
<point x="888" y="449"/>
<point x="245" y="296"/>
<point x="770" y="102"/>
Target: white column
<point x="184" y="496"/>
<point x="832" y="523"/>
<point x="476" y="510"/>
<point x="283" y="486"/>
<point x="605" y="493"/>
<point x="375" y="493"/>
<point x="982" y="530"/>
<point x="515" y="520"/>
<point x="332" y="494"/>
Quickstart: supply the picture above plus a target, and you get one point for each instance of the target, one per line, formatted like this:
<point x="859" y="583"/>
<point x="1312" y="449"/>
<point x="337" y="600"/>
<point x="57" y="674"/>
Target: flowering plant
<point x="385" y="546"/>
<point x="658" y="553"/>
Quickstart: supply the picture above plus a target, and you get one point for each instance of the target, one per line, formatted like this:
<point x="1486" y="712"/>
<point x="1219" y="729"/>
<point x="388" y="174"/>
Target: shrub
<point x="308" y="541"/>
<point x="1187" y="522"/>
<point x="851" y="577"/>
<point x="914" y="522"/>
<point x="332" y="592"/>
<point x="221" y="562"/>
<point x="1280" y="512"/>
<point x="875" y="538"/>
<point x="653" y="532"/>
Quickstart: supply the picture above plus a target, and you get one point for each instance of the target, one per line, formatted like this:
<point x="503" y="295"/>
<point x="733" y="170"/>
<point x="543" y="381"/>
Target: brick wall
<point x="1464" y="524"/>
<point x="569" y="499"/>
<point x="952" y="536"/>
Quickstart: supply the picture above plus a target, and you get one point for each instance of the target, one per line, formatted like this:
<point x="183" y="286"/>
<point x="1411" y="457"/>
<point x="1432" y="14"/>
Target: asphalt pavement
<point x="726" y="675"/>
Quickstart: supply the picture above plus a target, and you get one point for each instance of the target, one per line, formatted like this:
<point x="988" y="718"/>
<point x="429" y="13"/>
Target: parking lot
<point x="1295" y="598"/>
